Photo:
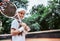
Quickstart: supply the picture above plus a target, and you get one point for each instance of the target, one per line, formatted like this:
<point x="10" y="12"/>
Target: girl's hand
<point x="23" y="24"/>
<point x="26" y="27"/>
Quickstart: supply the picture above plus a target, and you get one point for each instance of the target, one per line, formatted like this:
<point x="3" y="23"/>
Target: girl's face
<point x="21" y="14"/>
<point x="0" y="3"/>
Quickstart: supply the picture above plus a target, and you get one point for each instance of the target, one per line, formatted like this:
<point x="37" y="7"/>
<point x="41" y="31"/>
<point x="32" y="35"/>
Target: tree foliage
<point x="42" y="17"/>
<point x="47" y="17"/>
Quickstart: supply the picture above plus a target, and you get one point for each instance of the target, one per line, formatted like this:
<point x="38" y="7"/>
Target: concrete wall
<point x="37" y="36"/>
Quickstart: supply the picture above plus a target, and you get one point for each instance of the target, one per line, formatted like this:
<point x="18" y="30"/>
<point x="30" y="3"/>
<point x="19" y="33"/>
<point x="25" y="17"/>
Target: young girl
<point x="18" y="28"/>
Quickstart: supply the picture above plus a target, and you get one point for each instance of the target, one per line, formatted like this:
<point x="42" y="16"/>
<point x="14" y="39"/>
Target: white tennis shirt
<point x="15" y="25"/>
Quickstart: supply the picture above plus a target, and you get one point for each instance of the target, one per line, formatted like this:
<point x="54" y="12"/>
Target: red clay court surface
<point x="39" y="39"/>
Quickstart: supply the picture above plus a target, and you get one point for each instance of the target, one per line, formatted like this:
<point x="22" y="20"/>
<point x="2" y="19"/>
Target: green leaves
<point x="46" y="17"/>
<point x="35" y="27"/>
<point x="21" y="3"/>
<point x="42" y="18"/>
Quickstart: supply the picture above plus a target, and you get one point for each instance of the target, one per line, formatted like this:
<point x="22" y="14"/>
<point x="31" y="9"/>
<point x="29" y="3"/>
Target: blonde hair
<point x="19" y="9"/>
<point x="17" y="14"/>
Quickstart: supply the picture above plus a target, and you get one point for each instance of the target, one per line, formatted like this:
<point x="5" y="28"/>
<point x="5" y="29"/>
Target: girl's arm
<point x="16" y="32"/>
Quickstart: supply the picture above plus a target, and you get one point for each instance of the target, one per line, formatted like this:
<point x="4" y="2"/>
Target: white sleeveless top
<point x="15" y="25"/>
